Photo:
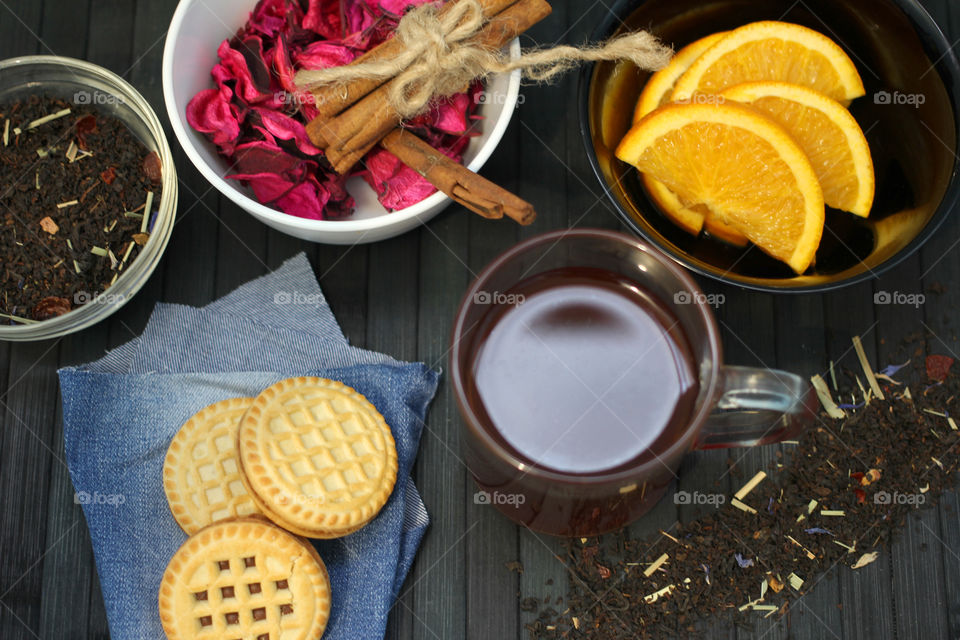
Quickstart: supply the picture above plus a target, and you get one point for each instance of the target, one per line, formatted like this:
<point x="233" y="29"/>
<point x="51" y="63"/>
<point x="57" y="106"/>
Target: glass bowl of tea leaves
<point x="89" y="195"/>
<point x="897" y="94"/>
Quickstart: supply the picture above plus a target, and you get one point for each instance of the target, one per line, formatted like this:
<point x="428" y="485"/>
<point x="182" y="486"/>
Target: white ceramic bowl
<point x="197" y="29"/>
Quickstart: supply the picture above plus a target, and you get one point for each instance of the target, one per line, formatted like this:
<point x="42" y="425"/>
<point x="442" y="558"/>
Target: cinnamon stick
<point x="333" y="100"/>
<point x="351" y="135"/>
<point x="462" y="185"/>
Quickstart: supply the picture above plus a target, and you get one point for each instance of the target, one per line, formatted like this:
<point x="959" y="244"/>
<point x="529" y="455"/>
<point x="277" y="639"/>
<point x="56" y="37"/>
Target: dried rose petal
<point x="251" y="47"/>
<point x="450" y="114"/>
<point x="938" y="367"/>
<point x="109" y="175"/>
<point x="397" y="185"/>
<point x="323" y="55"/>
<point x="267" y="187"/>
<point x="286" y="128"/>
<point x="396" y="7"/>
<point x="323" y="19"/>
<point x="152" y="167"/>
<point x="268" y="18"/>
<point x="210" y="112"/>
<point x="306" y="200"/>
<point x="233" y="67"/>
<point x="264" y="157"/>
<point x="359" y="16"/>
<point x="341" y="203"/>
<point x="51" y="308"/>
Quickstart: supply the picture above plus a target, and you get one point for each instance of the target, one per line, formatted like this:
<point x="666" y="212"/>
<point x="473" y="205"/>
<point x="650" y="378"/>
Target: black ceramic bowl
<point x="909" y="116"/>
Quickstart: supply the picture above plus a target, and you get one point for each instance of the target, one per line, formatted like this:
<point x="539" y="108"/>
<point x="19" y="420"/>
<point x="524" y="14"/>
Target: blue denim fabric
<point x="121" y="412"/>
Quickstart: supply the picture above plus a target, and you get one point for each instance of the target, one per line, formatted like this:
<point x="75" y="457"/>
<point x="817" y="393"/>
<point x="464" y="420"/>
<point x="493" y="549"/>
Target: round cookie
<point x="201" y="472"/>
<point x="245" y="578"/>
<point x="319" y="458"/>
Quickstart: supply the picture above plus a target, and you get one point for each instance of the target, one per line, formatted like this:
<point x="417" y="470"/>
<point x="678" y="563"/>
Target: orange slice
<point x="773" y="51"/>
<point x="655" y="94"/>
<point x="742" y="166"/>
<point x="826" y="132"/>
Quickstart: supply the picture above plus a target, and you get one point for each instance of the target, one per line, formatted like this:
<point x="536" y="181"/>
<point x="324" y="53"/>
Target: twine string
<point x="438" y="61"/>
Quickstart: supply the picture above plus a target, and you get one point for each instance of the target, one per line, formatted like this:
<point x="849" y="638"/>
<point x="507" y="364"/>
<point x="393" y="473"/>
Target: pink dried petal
<point x="323" y="17"/>
<point x="309" y="111"/>
<point x="455" y="148"/>
<point x="306" y="200"/>
<point x="341" y="204"/>
<point x="268" y="17"/>
<point x="210" y="112"/>
<point x="287" y="128"/>
<point x="267" y="136"/>
<point x="251" y="47"/>
<point x="323" y="55"/>
<point x="284" y="71"/>
<point x="358" y="17"/>
<point x="397" y="185"/>
<point x="233" y="66"/>
<point x="450" y="114"/>
<point x="267" y="187"/>
<point x="265" y="157"/>
<point x="396" y="7"/>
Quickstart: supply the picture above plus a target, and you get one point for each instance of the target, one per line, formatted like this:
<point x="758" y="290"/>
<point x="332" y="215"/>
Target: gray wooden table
<point x="399" y="297"/>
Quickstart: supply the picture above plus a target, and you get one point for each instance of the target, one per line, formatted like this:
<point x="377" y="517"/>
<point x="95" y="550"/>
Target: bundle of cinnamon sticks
<point x="355" y="117"/>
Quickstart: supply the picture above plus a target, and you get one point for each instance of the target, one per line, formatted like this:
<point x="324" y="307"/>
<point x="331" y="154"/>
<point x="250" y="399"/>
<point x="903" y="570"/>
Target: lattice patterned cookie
<point x="245" y="579"/>
<point x="201" y="473"/>
<point x="317" y="456"/>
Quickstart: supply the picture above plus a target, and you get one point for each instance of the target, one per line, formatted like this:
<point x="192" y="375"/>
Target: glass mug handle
<point x="758" y="406"/>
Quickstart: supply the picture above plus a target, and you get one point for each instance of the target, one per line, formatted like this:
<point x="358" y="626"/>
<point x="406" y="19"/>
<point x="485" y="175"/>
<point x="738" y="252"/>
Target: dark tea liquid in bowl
<point x="580" y="370"/>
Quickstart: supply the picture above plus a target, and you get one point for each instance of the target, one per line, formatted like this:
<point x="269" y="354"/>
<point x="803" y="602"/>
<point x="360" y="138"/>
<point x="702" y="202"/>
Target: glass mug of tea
<point x="586" y="365"/>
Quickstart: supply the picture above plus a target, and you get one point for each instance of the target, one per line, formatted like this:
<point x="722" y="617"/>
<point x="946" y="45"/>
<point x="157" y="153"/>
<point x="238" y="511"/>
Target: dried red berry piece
<point x="152" y="167"/>
<point x="109" y="175"/>
<point x="85" y="126"/>
<point x="51" y="308"/>
<point x="938" y="367"/>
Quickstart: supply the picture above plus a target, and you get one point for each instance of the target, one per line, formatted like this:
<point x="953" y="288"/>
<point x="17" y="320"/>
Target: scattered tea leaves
<point x="836" y="499"/>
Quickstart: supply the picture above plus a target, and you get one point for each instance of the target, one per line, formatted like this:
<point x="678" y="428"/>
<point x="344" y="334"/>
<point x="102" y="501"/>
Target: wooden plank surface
<point x="399" y="296"/>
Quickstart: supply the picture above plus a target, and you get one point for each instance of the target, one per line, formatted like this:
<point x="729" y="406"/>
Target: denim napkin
<point x="121" y="412"/>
